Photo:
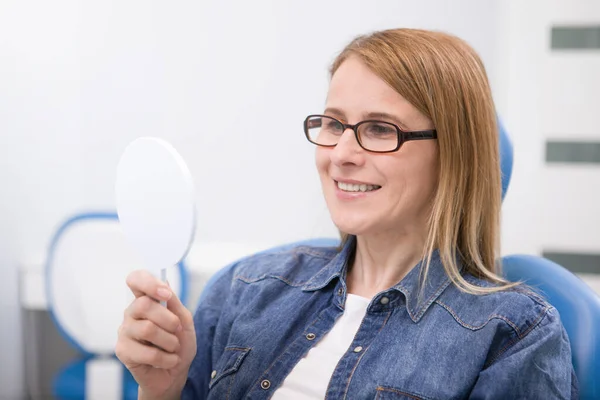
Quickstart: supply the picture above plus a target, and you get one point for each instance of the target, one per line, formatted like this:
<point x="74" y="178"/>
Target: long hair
<point x="444" y="78"/>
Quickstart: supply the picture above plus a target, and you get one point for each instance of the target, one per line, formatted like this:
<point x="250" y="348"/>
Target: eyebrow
<point x="369" y="115"/>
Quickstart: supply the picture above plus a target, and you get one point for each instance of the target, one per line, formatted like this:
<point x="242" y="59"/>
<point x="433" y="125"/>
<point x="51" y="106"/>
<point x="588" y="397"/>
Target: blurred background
<point x="229" y="83"/>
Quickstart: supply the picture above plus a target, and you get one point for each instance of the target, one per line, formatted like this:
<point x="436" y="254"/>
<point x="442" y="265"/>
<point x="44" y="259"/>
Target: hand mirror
<point x="155" y="203"/>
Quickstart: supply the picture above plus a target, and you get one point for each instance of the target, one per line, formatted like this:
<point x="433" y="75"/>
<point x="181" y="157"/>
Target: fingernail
<point x="164" y="293"/>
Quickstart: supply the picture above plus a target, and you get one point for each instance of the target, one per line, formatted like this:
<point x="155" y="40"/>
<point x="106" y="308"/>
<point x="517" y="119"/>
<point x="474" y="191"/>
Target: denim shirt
<point x="264" y="313"/>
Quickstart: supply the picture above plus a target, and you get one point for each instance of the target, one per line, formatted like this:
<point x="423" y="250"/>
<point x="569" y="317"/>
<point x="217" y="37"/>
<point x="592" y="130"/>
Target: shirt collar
<point x="419" y="295"/>
<point x="333" y="269"/>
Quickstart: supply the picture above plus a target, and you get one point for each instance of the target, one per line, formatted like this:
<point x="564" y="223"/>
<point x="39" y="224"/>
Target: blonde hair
<point x="444" y="78"/>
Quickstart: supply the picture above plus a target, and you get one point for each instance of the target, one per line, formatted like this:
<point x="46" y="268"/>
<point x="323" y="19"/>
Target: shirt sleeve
<point x="206" y="319"/>
<point x="535" y="366"/>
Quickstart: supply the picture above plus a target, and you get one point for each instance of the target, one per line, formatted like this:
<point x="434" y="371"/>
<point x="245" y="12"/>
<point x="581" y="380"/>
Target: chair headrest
<point x="86" y="268"/>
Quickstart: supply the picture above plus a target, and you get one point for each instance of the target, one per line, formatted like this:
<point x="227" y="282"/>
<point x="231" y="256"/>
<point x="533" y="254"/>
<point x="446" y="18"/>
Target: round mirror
<point x="155" y="203"/>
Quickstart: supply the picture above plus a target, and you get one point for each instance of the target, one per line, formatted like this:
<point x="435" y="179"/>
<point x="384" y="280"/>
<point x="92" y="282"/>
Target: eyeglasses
<point x="371" y="135"/>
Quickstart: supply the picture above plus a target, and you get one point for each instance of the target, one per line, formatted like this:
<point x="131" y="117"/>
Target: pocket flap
<point x="387" y="393"/>
<point x="230" y="362"/>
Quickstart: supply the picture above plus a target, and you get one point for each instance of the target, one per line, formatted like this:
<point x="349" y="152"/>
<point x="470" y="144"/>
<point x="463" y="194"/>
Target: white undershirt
<point x="310" y="377"/>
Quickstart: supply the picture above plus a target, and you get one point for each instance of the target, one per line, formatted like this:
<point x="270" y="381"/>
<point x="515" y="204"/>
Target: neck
<point x="381" y="261"/>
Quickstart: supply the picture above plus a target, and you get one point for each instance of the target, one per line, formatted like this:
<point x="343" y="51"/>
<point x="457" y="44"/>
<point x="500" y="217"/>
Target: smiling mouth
<point x="355" y="187"/>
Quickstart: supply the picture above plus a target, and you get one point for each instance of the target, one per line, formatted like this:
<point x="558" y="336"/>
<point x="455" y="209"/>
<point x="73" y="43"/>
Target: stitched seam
<point x="240" y="358"/>
<point x="238" y="348"/>
<point x="311" y="252"/>
<point x="295" y="251"/>
<point x="385" y="389"/>
<point x="431" y="299"/>
<point x="408" y="308"/>
<point x="285" y="352"/>
<point x="517" y="339"/>
<point x="528" y="291"/>
<point x="473" y="327"/>
<point x="229" y="389"/>
<point x="319" y="285"/>
<point x="267" y="276"/>
<point x="363" y="354"/>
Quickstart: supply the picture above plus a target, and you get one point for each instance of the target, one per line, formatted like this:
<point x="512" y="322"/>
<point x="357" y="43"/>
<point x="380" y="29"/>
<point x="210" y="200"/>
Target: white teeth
<point x="350" y="187"/>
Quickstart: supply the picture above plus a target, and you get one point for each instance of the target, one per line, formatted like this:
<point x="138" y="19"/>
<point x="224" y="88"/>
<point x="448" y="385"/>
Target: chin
<point x="351" y="225"/>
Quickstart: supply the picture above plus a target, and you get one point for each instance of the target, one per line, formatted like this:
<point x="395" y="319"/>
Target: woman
<point x="411" y="306"/>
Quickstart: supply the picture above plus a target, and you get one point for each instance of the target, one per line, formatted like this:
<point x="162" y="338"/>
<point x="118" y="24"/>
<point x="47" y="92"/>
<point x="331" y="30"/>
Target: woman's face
<point x="404" y="181"/>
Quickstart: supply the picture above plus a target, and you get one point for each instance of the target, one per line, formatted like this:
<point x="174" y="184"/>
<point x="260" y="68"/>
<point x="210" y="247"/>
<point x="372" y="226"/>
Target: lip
<point x="354" y="182"/>
<point x="342" y="195"/>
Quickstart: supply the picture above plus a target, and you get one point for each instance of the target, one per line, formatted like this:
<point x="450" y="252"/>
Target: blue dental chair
<point x="577" y="303"/>
<point x="87" y="263"/>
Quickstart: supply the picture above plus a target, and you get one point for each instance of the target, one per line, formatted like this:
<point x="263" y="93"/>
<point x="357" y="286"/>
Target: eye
<point x="333" y="125"/>
<point x="380" y="129"/>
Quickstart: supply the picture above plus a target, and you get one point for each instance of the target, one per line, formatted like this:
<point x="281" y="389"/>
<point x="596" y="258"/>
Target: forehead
<point x="356" y="90"/>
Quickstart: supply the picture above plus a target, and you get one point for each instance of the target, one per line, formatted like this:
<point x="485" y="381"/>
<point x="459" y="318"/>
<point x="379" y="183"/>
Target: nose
<point x="347" y="151"/>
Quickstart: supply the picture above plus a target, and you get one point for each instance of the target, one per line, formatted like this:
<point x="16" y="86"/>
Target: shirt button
<point x="384" y="300"/>
<point x="358" y="349"/>
<point x="340" y="291"/>
<point x="213" y="374"/>
<point x="265" y="384"/>
<point x="311" y="336"/>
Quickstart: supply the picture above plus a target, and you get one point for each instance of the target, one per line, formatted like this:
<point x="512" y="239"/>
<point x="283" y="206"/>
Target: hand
<point x="157" y="344"/>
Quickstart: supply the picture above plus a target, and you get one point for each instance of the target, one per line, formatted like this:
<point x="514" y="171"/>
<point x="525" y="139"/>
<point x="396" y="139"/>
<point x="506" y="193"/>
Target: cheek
<point x="322" y="159"/>
<point x="414" y="178"/>
<point x="425" y="179"/>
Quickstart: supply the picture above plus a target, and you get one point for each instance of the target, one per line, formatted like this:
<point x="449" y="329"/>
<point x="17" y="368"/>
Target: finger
<point x="143" y="283"/>
<point x="133" y="353"/>
<point x="178" y="308"/>
<point x="149" y="333"/>
<point x="145" y="308"/>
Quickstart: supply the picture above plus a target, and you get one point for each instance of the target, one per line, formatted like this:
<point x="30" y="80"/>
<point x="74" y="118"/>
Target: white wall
<point x="570" y="107"/>
<point x="549" y="95"/>
<point x="523" y="34"/>
<point x="80" y="79"/>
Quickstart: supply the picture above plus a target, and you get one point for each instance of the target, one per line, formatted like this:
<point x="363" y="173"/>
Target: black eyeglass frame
<point x="403" y="136"/>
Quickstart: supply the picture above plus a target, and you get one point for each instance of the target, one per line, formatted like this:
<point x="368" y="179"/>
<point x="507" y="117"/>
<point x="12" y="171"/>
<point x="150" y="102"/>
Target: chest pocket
<point x="387" y="393"/>
<point x="228" y="364"/>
